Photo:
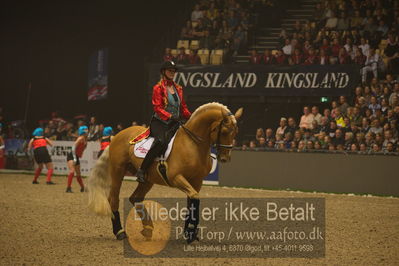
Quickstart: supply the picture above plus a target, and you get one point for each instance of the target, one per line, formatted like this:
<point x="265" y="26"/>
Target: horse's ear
<point x="238" y="114"/>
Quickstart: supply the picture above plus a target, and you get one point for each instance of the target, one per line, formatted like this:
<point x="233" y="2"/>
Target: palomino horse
<point x="189" y="162"/>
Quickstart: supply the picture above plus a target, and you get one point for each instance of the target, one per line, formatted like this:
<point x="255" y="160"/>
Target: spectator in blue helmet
<point x="105" y="139"/>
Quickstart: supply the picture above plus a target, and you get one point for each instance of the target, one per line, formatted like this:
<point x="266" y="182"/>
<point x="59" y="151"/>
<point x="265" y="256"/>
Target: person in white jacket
<point x="371" y="65"/>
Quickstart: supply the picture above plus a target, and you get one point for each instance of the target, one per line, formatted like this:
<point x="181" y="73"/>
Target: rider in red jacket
<point x="169" y="108"/>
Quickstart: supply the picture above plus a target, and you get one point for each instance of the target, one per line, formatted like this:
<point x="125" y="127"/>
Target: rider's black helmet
<point x="168" y="65"/>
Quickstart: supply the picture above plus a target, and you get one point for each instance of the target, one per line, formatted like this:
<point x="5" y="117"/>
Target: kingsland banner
<point x="273" y="80"/>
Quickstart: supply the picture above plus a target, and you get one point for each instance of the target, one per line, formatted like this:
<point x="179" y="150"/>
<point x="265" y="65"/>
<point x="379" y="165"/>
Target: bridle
<point x="218" y="145"/>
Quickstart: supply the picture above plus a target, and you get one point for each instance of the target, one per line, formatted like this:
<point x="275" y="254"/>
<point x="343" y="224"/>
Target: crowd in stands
<point x="217" y="24"/>
<point x="362" y="32"/>
<point x="366" y="124"/>
<point x="57" y="128"/>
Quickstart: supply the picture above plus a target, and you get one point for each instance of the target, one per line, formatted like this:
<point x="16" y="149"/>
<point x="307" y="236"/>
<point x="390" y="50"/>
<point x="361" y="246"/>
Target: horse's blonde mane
<point x="212" y="105"/>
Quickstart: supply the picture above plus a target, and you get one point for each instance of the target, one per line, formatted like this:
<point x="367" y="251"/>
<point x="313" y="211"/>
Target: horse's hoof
<point x="192" y="239"/>
<point x="121" y="235"/>
<point x="147" y="233"/>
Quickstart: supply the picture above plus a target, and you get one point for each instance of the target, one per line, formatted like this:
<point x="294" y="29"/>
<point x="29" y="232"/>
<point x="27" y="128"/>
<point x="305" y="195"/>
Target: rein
<point x="194" y="137"/>
<point x="198" y="139"/>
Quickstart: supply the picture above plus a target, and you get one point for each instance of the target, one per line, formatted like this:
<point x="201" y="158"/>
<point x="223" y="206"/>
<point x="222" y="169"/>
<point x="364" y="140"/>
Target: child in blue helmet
<point x="41" y="155"/>
<point x="105" y="139"/>
<point x="73" y="158"/>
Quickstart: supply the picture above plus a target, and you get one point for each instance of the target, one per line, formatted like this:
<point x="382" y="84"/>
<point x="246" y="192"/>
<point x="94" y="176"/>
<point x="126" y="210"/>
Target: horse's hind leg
<point x="117" y="174"/>
<point x="137" y="197"/>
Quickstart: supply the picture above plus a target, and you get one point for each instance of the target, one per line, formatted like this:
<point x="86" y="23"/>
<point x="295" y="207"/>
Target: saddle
<point x="143" y="142"/>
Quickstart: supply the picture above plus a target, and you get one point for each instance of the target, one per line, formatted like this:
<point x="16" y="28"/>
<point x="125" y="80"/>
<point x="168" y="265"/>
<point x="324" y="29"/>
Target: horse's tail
<point x="99" y="183"/>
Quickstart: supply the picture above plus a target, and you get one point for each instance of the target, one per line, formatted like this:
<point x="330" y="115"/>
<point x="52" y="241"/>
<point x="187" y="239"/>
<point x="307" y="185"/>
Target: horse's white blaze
<point x="99" y="183"/>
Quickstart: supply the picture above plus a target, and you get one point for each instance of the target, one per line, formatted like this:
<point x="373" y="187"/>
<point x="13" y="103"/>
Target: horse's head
<point x="223" y="134"/>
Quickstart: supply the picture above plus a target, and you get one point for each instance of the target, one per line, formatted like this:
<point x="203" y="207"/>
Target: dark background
<point x="48" y="43"/>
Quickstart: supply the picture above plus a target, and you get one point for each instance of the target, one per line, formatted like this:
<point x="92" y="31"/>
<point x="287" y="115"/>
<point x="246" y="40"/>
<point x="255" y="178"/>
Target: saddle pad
<point x="140" y="137"/>
<point x="142" y="147"/>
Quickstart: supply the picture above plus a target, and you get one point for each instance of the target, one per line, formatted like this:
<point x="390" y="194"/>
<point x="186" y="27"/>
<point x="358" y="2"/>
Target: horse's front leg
<point x="193" y="203"/>
<point x="136" y="199"/>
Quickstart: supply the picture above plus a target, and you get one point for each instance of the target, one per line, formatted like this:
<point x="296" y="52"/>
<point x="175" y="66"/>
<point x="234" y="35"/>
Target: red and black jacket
<point x="160" y="100"/>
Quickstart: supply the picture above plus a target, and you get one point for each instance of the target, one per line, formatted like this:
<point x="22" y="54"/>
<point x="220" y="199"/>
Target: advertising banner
<point x="98" y="75"/>
<point x="59" y="153"/>
<point x="264" y="80"/>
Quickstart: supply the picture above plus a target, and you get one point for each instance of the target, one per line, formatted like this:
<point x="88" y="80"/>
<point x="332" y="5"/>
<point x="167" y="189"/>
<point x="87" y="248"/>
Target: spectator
<point x="359" y="59"/>
<point x="193" y="58"/>
<point x="238" y="40"/>
<point x="282" y="129"/>
<point x="94" y="132"/>
<point x="287" y="48"/>
<point x="296" y="58"/>
<point x="382" y="28"/>
<point x="332" y="129"/>
<point x="394" y="94"/>
<point x="374" y="105"/>
<point x="389" y="148"/>
<point x="376" y="148"/>
<point x="371" y="65"/>
<point x="311" y="58"/>
<point x="269" y="135"/>
<point x="364" y="46"/>
<point x="262" y="143"/>
<point x="356" y="117"/>
<point x="306" y="119"/>
<point x="309" y="145"/>
<point x="348" y="141"/>
<point x="197" y="13"/>
<point x="254" y="58"/>
<point x="343" y="105"/>
<point x="338" y="139"/>
<point x="375" y="127"/>
<point x="332" y="22"/>
<point x="280" y="58"/>
<point x="339" y="118"/>
<point x="291" y="128"/>
<point x="259" y="133"/>
<point x="182" y="57"/>
<point x="316" y="114"/>
<point x="118" y="128"/>
<point x="324" y="124"/>
<point x="343" y="57"/>
<point x="267" y="58"/>
<point x="392" y="54"/>
<point x="168" y="55"/>
<point x="323" y="58"/>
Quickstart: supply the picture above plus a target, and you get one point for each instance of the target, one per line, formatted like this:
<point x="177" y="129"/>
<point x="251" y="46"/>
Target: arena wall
<point x="336" y="173"/>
